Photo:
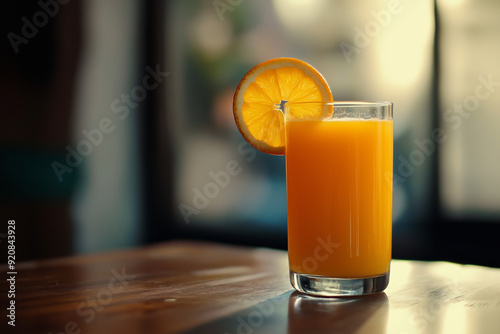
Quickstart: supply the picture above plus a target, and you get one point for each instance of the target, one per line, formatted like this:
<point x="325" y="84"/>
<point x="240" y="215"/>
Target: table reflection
<point x="365" y="314"/>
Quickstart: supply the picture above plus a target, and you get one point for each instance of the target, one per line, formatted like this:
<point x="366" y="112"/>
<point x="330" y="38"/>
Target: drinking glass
<point x="339" y="199"/>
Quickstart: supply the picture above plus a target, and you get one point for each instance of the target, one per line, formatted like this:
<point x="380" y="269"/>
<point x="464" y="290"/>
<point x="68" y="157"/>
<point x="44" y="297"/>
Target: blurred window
<point x="470" y="108"/>
<point x="367" y="50"/>
<point x="106" y="208"/>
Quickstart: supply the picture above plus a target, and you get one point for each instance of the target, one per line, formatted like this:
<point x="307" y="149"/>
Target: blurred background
<point x="117" y="114"/>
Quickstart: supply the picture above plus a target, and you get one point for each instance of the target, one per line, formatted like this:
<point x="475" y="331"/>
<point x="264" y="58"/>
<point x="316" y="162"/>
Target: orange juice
<point x="339" y="196"/>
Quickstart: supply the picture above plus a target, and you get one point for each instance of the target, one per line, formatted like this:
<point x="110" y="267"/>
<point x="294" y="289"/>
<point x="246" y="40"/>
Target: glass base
<point x="337" y="287"/>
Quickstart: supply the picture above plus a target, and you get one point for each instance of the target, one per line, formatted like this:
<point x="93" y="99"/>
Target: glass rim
<point x="366" y="103"/>
<point x="380" y="110"/>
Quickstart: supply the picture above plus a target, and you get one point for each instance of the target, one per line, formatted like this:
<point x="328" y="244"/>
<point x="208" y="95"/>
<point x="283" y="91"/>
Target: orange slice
<point x="261" y="94"/>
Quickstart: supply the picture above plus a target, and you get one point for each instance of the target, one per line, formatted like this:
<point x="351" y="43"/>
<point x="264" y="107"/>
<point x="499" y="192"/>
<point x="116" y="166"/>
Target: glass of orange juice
<point x="339" y="200"/>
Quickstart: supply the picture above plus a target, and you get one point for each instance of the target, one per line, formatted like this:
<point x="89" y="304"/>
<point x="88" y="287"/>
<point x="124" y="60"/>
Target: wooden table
<point x="198" y="287"/>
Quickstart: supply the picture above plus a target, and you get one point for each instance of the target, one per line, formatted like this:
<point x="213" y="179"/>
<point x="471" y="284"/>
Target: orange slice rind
<point x="274" y="90"/>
